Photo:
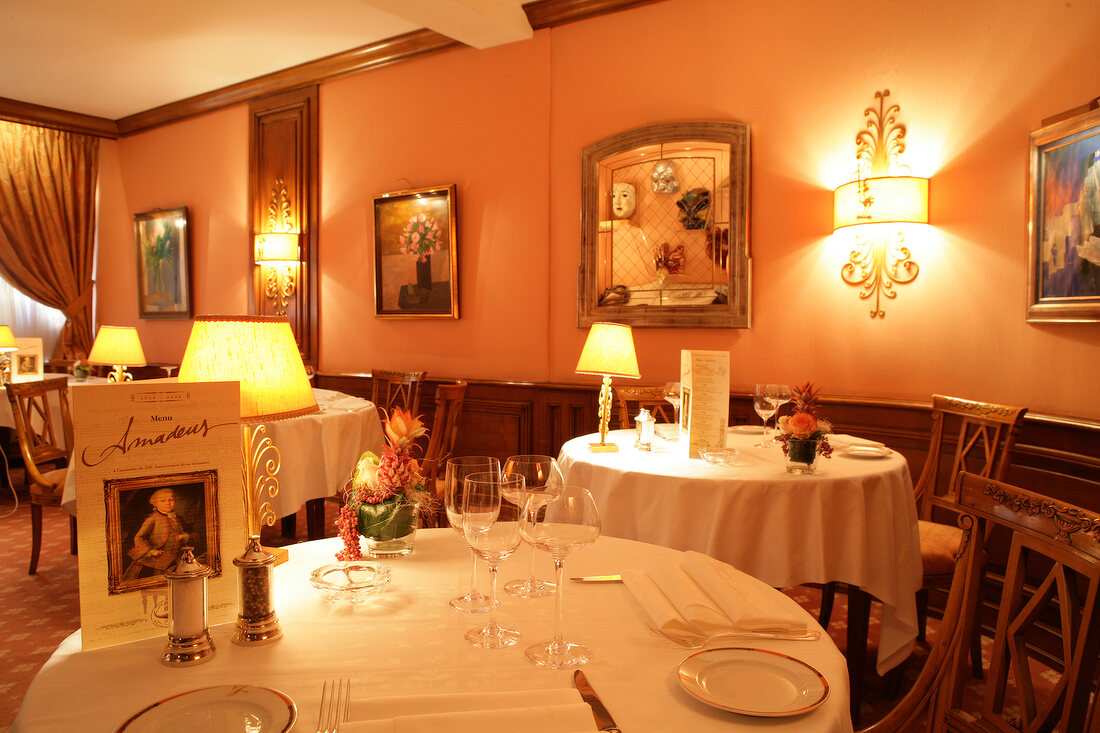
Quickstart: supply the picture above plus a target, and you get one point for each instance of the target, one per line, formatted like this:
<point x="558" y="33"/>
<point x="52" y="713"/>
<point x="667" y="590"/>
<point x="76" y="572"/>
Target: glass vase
<point x="389" y="528"/>
<point x="802" y="454"/>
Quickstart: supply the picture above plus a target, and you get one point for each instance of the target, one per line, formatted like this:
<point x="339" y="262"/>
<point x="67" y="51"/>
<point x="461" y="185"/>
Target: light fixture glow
<point x="117" y="347"/>
<point x="608" y="352"/>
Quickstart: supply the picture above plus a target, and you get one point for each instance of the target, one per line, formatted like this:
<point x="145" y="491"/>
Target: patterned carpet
<point x="38" y="611"/>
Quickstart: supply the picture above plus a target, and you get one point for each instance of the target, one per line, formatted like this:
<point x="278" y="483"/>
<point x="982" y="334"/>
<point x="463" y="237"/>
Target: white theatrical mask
<point x="623" y="200"/>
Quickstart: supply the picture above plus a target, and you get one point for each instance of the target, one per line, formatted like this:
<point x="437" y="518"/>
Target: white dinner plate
<point x="755" y="682"/>
<point x="748" y="429"/>
<point x="221" y="709"/>
<point x="865" y="451"/>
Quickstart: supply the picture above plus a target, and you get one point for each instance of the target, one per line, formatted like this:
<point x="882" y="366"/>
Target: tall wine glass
<point x="568" y="521"/>
<point x="777" y="395"/>
<point x="542" y="481"/>
<point x="672" y="396"/>
<point x="454" y="484"/>
<point x="765" y="409"/>
<point x="493" y="539"/>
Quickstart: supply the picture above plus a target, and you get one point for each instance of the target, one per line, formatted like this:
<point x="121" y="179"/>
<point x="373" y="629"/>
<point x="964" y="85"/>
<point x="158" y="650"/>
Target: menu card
<point x="158" y="468"/>
<point x="704" y="399"/>
<point x="26" y="363"/>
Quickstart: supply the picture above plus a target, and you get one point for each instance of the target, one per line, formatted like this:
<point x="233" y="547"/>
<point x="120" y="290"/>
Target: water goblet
<point x="778" y="395"/>
<point x="672" y="395"/>
<point x="457" y="470"/>
<point x="542" y="481"/>
<point x="567" y="522"/>
<point x="493" y="538"/>
<point x="765" y="409"/>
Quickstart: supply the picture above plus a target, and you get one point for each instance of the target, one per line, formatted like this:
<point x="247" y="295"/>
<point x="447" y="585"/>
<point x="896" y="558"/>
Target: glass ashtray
<point x="353" y="582"/>
<point x="719" y="456"/>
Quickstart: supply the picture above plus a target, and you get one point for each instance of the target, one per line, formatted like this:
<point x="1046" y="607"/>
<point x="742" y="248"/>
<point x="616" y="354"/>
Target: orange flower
<point x="800" y="425"/>
<point x="402" y="429"/>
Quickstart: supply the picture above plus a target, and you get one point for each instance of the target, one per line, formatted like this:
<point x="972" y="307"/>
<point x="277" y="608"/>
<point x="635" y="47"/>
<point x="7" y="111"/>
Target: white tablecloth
<point x="409" y="641"/>
<point x="854" y="521"/>
<point x="318" y="451"/>
<point x="7" y="419"/>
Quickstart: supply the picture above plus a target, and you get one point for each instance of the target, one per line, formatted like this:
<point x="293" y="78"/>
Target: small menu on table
<point x="704" y="399"/>
<point x="158" y="468"/>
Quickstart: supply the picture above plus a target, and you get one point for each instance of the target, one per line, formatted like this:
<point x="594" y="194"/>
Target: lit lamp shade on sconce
<point x="897" y="199"/>
<point x="277" y="247"/>
<point x="118" y="347"/>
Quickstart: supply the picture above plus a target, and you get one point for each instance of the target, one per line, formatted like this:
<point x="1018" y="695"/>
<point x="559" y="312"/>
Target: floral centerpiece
<point x="383" y="500"/>
<point x="81" y="369"/>
<point x="803" y="433"/>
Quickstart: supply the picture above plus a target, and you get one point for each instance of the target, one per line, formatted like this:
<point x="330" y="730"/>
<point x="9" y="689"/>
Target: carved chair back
<point x="441" y="440"/>
<point x="632" y="399"/>
<point x="40" y="440"/>
<point x="395" y="388"/>
<point x="1051" y="581"/>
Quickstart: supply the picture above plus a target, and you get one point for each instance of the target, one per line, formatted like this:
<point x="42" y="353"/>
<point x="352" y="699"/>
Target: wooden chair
<point x="392" y="388"/>
<point x="441" y="443"/>
<point x="1051" y="584"/>
<point x="632" y="399"/>
<point x="42" y="443"/>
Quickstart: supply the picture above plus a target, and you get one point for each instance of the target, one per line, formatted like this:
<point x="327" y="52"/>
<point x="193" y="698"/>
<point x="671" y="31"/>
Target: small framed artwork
<point x="27" y="364"/>
<point x="1064" y="221"/>
<point x="415" y="254"/>
<point x="163" y="263"/>
<point x="150" y="519"/>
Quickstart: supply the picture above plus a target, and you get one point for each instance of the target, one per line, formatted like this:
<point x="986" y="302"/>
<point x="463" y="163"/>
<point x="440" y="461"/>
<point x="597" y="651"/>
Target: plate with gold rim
<point x="756" y="682"/>
<point x="220" y="709"/>
<point x="865" y="451"/>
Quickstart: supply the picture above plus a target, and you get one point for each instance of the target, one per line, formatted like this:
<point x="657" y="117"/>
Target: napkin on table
<point x="841" y="440"/>
<point x="533" y="711"/>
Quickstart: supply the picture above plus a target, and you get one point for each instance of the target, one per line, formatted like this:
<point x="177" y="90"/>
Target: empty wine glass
<point x="764" y="408"/>
<point x="777" y="395"/>
<point x="454" y="484"/>
<point x="568" y="521"/>
<point x="542" y="481"/>
<point x="493" y="539"/>
<point x="672" y="396"/>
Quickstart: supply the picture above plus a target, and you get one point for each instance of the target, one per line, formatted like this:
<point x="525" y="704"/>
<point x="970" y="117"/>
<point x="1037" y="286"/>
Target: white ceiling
<point x="115" y="58"/>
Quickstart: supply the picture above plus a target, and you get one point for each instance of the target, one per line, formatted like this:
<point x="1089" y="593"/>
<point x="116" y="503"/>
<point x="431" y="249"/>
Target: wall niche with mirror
<point x="664" y="227"/>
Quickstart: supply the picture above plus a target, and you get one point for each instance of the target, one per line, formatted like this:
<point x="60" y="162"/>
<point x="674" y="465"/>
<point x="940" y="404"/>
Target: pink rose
<point x="801" y="425"/>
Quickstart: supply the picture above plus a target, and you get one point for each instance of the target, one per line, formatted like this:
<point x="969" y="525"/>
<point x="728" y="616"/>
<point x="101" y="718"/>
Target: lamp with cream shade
<point x="7" y="346"/>
<point x="261" y="354"/>
<point x="117" y="347"/>
<point x="277" y="253"/>
<point x="608" y="352"/>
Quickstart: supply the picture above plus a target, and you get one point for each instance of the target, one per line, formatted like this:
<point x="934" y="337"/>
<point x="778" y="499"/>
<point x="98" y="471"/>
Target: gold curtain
<point x="47" y="223"/>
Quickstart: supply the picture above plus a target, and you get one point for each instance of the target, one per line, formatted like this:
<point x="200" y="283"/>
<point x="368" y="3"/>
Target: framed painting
<point x="163" y="263"/>
<point x="27" y="363"/>
<point x="150" y="519"/>
<point x="1064" y="221"/>
<point x="415" y="254"/>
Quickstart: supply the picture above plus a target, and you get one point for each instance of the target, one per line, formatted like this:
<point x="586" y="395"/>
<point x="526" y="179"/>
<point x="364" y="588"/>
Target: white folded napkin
<point x="533" y="711"/>
<point x="840" y="440"/>
<point x="705" y="596"/>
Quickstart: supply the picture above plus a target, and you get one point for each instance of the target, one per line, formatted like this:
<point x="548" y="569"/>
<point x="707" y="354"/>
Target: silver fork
<point x="699" y="641"/>
<point x="335" y="705"/>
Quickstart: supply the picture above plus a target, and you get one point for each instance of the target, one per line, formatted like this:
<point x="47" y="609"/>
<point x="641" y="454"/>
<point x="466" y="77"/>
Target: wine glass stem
<point x="559" y="634"/>
<point x="492" y="629"/>
<point x="473" y="574"/>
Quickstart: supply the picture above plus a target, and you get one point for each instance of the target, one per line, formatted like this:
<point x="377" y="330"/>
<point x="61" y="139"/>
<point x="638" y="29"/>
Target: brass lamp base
<point x="186" y="651"/>
<point x="603" y="448"/>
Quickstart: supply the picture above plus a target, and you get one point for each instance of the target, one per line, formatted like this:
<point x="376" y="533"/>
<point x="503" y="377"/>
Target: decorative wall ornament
<point x="881" y="192"/>
<point x="277" y="250"/>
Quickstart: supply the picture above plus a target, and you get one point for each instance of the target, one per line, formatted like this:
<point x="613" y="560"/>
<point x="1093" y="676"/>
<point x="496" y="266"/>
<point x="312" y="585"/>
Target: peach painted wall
<point x="507" y="125"/>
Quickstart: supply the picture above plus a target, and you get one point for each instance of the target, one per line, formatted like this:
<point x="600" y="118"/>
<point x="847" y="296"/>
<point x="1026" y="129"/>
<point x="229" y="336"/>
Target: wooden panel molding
<point x="58" y="119"/>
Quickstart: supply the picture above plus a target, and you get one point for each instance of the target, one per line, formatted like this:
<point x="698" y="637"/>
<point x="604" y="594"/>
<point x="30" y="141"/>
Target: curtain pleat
<point x="47" y="223"/>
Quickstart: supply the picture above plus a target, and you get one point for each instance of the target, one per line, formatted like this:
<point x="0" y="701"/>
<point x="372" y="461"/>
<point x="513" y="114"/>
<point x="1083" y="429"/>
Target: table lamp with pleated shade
<point x="608" y="352"/>
<point x="117" y="347"/>
<point x="7" y="346"/>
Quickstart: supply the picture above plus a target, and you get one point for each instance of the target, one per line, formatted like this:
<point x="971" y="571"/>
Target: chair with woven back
<point x="632" y="399"/>
<point x="984" y="435"/>
<point x="391" y="389"/>
<point x="42" y="443"/>
<point x="441" y="443"/>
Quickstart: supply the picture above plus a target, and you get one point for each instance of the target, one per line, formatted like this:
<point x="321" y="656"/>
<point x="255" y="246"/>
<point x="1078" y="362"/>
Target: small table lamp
<point x="261" y="354"/>
<point x="608" y="352"/>
<point x="7" y="346"/>
<point x="117" y="347"/>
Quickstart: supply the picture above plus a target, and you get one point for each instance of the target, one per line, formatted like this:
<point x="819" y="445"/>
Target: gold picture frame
<point x="163" y="263"/>
<point x="415" y="254"/>
<point x="131" y="513"/>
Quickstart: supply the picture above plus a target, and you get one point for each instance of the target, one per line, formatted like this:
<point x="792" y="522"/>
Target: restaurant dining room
<point x="556" y="366"/>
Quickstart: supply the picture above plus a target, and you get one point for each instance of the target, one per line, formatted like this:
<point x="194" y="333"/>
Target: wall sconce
<point x="117" y="347"/>
<point x="277" y="255"/>
<point x="608" y="352"/>
<point x="881" y="193"/>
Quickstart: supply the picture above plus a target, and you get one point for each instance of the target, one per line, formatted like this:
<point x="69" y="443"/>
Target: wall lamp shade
<point x="118" y="347"/>
<point x="608" y="352"/>
<point x="7" y="340"/>
<point x="261" y="354"/>
<point x="893" y="199"/>
<point x="277" y="247"/>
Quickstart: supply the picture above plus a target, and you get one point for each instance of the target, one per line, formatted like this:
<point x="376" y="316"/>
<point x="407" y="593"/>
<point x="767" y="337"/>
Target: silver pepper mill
<point x="256" y="619"/>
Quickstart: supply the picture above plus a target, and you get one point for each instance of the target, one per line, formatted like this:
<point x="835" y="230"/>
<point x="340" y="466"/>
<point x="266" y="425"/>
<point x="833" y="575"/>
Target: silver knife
<point x="604" y="721"/>
<point x="598" y="578"/>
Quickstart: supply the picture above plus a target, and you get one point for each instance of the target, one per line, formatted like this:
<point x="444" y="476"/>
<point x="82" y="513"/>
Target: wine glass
<point x="672" y="396"/>
<point x="542" y="481"/>
<point x="764" y="408"/>
<point x="777" y="395"/>
<point x="454" y="484"/>
<point x="568" y="521"/>
<point x="493" y="539"/>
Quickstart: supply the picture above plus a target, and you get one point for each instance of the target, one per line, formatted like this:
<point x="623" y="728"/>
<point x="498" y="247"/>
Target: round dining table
<point x="408" y="641"/>
<point x="852" y="521"/>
